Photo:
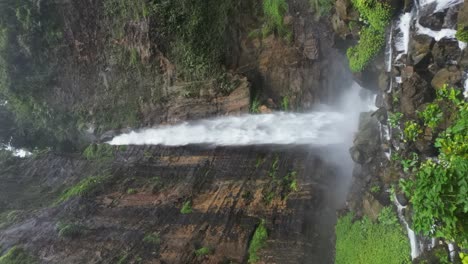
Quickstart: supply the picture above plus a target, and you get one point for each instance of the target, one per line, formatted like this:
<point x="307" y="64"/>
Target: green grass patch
<point x="462" y="33"/>
<point x="370" y="43"/>
<point x="99" y="152"/>
<point x="186" y="208"/>
<point x="17" y="255"/>
<point x="258" y="241"/>
<point x="372" y="37"/>
<point x="274" y="12"/>
<point x="364" y="241"/>
<point x="152" y="239"/>
<point x="86" y="187"/>
<point x="203" y="251"/>
<point x="70" y="230"/>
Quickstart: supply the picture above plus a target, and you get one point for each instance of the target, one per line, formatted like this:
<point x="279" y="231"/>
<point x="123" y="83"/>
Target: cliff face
<point x="230" y="191"/>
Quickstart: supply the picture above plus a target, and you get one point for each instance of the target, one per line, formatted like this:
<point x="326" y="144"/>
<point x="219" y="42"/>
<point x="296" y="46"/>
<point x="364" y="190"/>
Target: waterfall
<point x="321" y="127"/>
<point x="416" y="246"/>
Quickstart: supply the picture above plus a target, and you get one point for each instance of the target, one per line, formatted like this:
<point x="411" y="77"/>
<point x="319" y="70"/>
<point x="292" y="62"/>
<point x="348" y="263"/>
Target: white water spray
<point x="277" y="128"/>
<point x="316" y="128"/>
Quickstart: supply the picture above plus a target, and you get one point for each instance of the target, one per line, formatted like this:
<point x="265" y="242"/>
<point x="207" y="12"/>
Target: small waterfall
<point x="403" y="36"/>
<point x="425" y="6"/>
<point x="416" y="246"/>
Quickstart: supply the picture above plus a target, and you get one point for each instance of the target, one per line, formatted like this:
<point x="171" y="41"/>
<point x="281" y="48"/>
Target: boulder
<point x="451" y="76"/>
<point x="420" y="46"/>
<point x="445" y="52"/>
<point x="434" y="21"/>
<point x="415" y="91"/>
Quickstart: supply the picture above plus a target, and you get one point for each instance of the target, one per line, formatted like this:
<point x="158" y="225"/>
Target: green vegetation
<point x="462" y="33"/>
<point x="17" y="255"/>
<point x="412" y="131"/>
<point x="70" y="230"/>
<point x="375" y="189"/>
<point x="411" y="163"/>
<point x="372" y="39"/>
<point x="285" y="103"/>
<point x="152" y="239"/>
<point x="198" y="30"/>
<point x="86" y="187"/>
<point x="203" y="251"/>
<point x="438" y="190"/>
<point x="394" y="119"/>
<point x="31" y="49"/>
<point x="99" y="152"/>
<point x="258" y="241"/>
<point x="432" y="115"/>
<point x="255" y="106"/>
<point x="132" y="191"/>
<point x="370" y="43"/>
<point x="186" y="208"/>
<point x="388" y="217"/>
<point x="364" y="241"/>
<point x="274" y="12"/>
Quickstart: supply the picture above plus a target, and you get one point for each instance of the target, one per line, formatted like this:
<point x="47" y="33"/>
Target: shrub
<point x="85" y="187"/>
<point x="186" y="208"/>
<point x="462" y="33"/>
<point x="388" y="217"/>
<point x="438" y="190"/>
<point x="432" y="115"/>
<point x="376" y="13"/>
<point x="394" y="119"/>
<point x="203" y="251"/>
<point x="364" y="241"/>
<point x="17" y="255"/>
<point x="274" y="11"/>
<point x="412" y="131"/>
<point x="258" y="241"/>
<point x="370" y="43"/>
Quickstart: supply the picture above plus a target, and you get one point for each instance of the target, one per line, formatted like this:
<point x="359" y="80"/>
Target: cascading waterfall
<point x="274" y="128"/>
<point x="315" y="128"/>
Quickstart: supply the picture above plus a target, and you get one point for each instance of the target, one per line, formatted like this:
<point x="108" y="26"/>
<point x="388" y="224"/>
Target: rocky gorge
<point x="114" y="66"/>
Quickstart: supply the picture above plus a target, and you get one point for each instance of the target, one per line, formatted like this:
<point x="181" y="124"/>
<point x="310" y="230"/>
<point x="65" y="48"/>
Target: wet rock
<point x="451" y="76"/>
<point x="341" y="8"/>
<point x="381" y="115"/>
<point x="445" y="52"/>
<point x="463" y="15"/>
<point x="371" y="207"/>
<point x="340" y="27"/>
<point x="434" y="21"/>
<point x="384" y="81"/>
<point x="414" y="93"/>
<point x="420" y="47"/>
<point x="367" y="140"/>
<point x="264" y="110"/>
<point x="402" y="199"/>
<point x="311" y="47"/>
